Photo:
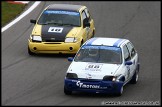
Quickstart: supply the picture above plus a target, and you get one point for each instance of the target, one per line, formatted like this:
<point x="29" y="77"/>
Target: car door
<point x="85" y="29"/>
<point x="128" y="68"/>
<point x="134" y="57"/>
<point x="91" y="21"/>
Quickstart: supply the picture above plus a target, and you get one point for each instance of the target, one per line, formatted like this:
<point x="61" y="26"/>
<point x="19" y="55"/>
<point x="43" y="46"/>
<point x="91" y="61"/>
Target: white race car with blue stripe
<point x="102" y="65"/>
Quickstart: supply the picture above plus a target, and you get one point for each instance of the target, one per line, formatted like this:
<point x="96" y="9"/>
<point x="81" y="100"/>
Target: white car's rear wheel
<point x="134" y="78"/>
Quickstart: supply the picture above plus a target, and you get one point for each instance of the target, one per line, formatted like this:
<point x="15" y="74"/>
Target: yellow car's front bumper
<point x="53" y="47"/>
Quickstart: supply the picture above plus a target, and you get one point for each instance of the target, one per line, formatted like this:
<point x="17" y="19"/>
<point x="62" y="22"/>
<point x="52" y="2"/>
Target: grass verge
<point x="10" y="11"/>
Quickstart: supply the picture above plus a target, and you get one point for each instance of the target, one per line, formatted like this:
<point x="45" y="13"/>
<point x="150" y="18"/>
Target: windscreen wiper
<point x="55" y="23"/>
<point x="42" y="23"/>
<point x="68" y="24"/>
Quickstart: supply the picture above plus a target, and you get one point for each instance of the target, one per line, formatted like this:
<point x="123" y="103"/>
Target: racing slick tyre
<point x="29" y="52"/>
<point x="81" y="43"/>
<point x="93" y="33"/>
<point x="134" y="78"/>
<point x="67" y="92"/>
<point x="120" y="92"/>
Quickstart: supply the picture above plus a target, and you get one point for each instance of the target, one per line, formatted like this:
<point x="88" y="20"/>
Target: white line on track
<point x="21" y="16"/>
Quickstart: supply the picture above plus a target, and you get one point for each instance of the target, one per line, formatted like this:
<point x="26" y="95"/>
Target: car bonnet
<point x="58" y="33"/>
<point x="93" y="70"/>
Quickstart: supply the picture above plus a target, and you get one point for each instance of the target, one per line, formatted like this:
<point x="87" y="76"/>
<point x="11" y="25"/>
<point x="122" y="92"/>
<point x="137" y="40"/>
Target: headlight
<point x="70" y="40"/>
<point x="71" y="75"/>
<point x="107" y="78"/>
<point x="36" y="38"/>
<point x="118" y="78"/>
<point x="111" y="78"/>
<point x="114" y="79"/>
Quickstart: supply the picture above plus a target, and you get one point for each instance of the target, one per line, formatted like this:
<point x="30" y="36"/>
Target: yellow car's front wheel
<point x="30" y="52"/>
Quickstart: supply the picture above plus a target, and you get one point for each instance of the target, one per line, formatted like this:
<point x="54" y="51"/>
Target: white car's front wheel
<point x="67" y="92"/>
<point x="120" y="91"/>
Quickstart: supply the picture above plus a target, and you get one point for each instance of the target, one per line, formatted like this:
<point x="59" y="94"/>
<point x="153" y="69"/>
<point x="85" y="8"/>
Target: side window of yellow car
<point x="87" y="14"/>
<point x="83" y="15"/>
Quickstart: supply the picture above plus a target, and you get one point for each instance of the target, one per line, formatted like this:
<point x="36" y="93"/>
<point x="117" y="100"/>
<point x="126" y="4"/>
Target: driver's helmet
<point x="93" y="52"/>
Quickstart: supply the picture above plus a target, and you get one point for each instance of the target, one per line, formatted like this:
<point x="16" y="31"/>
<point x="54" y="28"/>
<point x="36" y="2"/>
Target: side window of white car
<point x="131" y="49"/>
<point x="126" y="53"/>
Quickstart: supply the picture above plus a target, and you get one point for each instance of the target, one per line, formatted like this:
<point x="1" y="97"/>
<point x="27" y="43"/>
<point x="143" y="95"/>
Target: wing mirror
<point x="32" y="21"/>
<point x="86" y="23"/>
<point x="70" y="59"/>
<point x="128" y="63"/>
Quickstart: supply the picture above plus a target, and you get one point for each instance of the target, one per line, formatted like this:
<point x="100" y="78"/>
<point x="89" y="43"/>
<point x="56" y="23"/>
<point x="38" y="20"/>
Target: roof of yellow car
<point x="70" y="7"/>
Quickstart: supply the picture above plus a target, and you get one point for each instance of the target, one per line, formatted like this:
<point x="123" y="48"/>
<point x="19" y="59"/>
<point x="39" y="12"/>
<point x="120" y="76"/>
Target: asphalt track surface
<point x="39" y="80"/>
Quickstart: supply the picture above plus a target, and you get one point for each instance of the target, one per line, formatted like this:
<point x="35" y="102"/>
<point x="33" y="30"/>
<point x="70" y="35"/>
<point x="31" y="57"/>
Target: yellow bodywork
<point x="61" y="47"/>
<point x="54" y="48"/>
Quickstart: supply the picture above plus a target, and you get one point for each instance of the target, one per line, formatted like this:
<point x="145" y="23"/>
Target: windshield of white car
<point x="61" y="18"/>
<point x="99" y="54"/>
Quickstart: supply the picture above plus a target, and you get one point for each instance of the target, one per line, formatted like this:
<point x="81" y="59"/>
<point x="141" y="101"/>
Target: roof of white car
<point x="106" y="41"/>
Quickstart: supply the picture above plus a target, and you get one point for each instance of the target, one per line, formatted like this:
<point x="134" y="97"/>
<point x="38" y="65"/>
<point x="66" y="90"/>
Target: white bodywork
<point x="91" y="70"/>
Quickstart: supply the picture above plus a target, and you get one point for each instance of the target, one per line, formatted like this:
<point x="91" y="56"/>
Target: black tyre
<point x="67" y="92"/>
<point x="120" y="92"/>
<point x="29" y="52"/>
<point x="93" y="34"/>
<point x="81" y="43"/>
<point x="134" y="78"/>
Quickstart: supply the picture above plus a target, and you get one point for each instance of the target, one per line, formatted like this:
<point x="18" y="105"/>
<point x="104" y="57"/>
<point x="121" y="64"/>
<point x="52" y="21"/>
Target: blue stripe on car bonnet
<point x="91" y="41"/>
<point x="118" y="42"/>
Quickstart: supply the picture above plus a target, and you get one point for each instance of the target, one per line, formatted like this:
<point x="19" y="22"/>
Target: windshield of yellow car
<point x="60" y="18"/>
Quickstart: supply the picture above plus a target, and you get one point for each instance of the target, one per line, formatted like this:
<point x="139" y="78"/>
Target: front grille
<point x="52" y="43"/>
<point x="90" y="80"/>
<point x="48" y="40"/>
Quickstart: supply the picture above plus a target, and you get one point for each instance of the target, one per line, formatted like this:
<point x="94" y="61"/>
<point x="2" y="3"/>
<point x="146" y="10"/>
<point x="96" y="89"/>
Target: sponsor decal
<point x="61" y="12"/>
<point x="52" y="38"/>
<point x="94" y="67"/>
<point x="89" y="86"/>
<point x="81" y="85"/>
<point x="55" y="29"/>
<point x="128" y="71"/>
<point x="89" y="76"/>
<point x="101" y="47"/>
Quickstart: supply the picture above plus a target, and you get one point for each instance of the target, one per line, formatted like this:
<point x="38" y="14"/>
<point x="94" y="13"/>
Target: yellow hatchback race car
<point x="61" y="28"/>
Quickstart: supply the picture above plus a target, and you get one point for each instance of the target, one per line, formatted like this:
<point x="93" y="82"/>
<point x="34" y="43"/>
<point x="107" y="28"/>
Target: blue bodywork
<point x="93" y="86"/>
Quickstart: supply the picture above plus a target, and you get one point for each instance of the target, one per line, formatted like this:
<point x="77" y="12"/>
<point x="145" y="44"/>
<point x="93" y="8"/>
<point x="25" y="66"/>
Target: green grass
<point x="10" y="11"/>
